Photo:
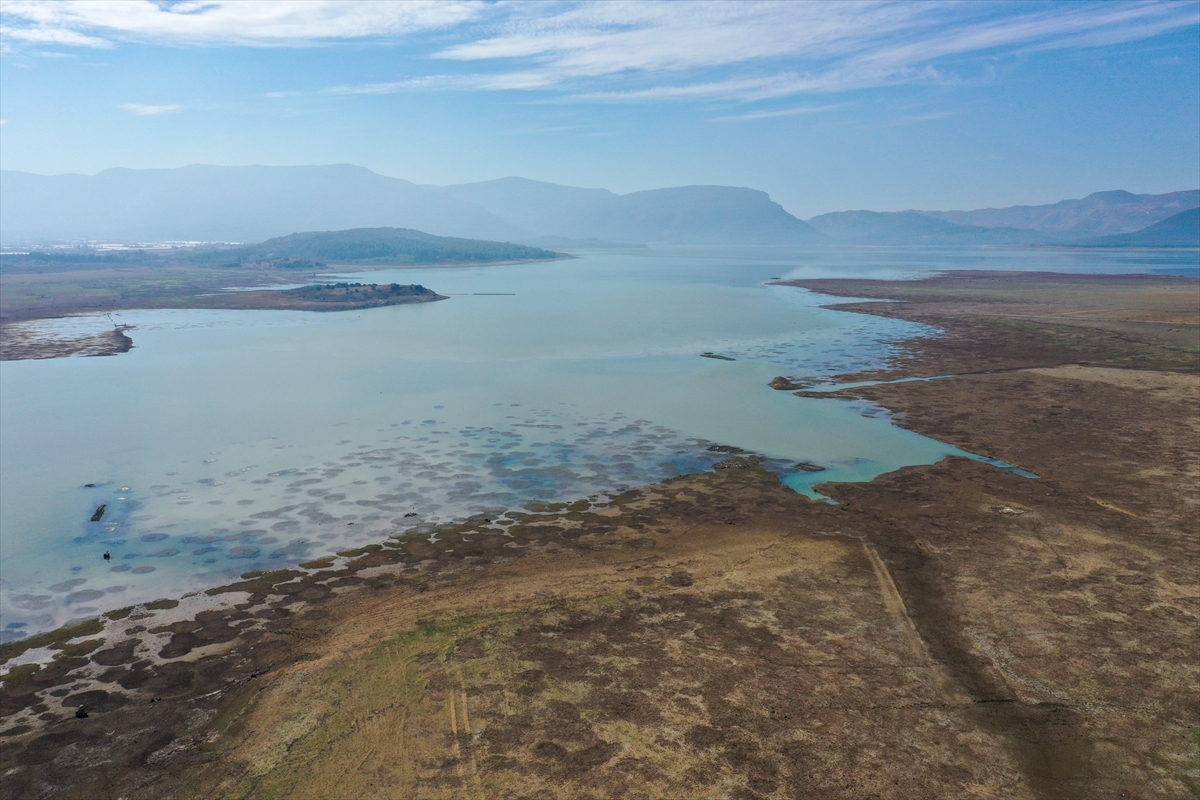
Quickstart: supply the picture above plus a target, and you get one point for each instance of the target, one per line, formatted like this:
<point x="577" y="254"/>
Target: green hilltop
<point x="376" y="247"/>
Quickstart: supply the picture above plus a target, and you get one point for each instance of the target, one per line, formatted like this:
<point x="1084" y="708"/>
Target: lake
<point x="232" y="441"/>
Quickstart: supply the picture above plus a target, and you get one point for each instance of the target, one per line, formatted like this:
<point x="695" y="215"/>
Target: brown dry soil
<point x="946" y="631"/>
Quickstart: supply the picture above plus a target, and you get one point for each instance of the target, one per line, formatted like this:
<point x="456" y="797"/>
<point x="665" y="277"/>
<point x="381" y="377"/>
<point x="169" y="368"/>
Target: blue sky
<point x="827" y="106"/>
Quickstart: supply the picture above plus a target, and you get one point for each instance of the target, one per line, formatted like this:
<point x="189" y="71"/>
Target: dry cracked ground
<point x="943" y="632"/>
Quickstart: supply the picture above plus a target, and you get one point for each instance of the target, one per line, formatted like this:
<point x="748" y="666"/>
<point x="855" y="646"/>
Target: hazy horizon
<point x="826" y="107"/>
<point x="600" y="187"/>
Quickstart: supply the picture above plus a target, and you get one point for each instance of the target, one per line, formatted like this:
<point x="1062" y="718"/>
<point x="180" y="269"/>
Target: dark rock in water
<point x="89" y="485"/>
<point x="727" y="448"/>
<point x="732" y="463"/>
<point x="784" y="384"/>
<point x="99" y="512"/>
<point x="807" y="467"/>
<point x="719" y="358"/>
<point x="107" y="555"/>
<point x="81" y="713"/>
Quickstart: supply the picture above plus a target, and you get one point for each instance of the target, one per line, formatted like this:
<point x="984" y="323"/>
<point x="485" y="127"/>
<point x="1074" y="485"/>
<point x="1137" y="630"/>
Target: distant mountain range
<point x="1098" y="214"/>
<point x="682" y="215"/>
<point x="229" y="204"/>
<point x="1179" y="230"/>
<point x="252" y="204"/>
<point x="915" y="227"/>
<point x="1099" y="219"/>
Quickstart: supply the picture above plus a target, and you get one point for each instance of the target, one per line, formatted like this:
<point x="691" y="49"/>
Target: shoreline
<point x="711" y="586"/>
<point x="140" y="288"/>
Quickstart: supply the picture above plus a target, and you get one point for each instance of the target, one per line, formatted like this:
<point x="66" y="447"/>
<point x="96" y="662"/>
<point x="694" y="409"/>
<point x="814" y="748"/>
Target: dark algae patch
<point x="98" y="513"/>
<point x="57" y="639"/>
<point x="946" y="631"/>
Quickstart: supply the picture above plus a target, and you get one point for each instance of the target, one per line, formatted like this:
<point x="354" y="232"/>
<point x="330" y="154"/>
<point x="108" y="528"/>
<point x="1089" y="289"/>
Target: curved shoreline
<point x="66" y="293"/>
<point x="710" y="587"/>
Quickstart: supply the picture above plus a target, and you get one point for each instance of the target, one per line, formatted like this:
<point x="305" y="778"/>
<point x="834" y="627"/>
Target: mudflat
<point x="944" y="631"/>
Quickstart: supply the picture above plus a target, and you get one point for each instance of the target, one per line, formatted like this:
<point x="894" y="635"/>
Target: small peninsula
<point x="326" y="297"/>
<point x="54" y="282"/>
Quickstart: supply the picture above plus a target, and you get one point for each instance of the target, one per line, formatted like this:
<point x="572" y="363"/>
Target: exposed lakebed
<point x="227" y="441"/>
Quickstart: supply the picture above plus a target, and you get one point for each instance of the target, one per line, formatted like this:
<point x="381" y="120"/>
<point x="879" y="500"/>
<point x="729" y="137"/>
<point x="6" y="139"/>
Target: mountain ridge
<point x="251" y="204"/>
<point x="1178" y="230"/>
<point x="1100" y="213"/>
<point x="256" y="203"/>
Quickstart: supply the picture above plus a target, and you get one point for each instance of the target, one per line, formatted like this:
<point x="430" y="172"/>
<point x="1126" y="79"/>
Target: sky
<point x="827" y="106"/>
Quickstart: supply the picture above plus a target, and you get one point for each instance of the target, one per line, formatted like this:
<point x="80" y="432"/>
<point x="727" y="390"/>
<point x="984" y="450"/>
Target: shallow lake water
<point x="230" y="441"/>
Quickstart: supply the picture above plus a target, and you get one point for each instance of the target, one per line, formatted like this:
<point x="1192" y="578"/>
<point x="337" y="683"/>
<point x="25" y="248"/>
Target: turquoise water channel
<point x="230" y="441"/>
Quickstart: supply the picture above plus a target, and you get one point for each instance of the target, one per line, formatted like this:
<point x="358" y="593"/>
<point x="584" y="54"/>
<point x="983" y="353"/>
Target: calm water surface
<point x="230" y="441"/>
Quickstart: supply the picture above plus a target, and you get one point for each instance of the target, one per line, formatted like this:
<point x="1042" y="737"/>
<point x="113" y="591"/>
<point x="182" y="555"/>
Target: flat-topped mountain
<point x="680" y="215"/>
<point x="248" y="204"/>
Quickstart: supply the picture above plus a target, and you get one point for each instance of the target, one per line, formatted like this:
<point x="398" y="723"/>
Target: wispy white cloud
<point x="933" y="116"/>
<point x="150" y="111"/>
<point x="97" y="23"/>
<point x="625" y="52"/>
<point x="38" y="34"/>
<point x="787" y="112"/>
<point x="822" y="47"/>
<point x="481" y="81"/>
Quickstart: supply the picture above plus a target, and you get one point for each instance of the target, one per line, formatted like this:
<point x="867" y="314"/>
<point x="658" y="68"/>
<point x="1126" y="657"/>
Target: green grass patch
<point x="56" y="639"/>
<point x="79" y="649"/>
<point x="361" y="551"/>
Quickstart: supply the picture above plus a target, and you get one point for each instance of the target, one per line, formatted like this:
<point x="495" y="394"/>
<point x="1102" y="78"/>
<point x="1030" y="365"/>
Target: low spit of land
<point x="945" y="631"/>
<point x="68" y="282"/>
<point x="19" y="341"/>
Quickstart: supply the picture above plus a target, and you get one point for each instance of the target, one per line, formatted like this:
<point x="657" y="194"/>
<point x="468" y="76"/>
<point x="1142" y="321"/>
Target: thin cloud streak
<point x="787" y="112"/>
<point x="150" y="111"/>
<point x="224" y="22"/>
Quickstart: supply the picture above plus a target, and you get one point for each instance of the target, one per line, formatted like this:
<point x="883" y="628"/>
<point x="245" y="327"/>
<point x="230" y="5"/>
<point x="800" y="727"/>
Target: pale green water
<point x="228" y="441"/>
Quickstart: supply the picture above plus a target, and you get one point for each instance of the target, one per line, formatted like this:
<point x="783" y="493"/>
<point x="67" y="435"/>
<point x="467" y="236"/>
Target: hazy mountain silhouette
<point x="1180" y="230"/>
<point x="1098" y="214"/>
<point x="239" y="204"/>
<point x="680" y="215"/>
<point x="914" y="228"/>
<point x="249" y="204"/>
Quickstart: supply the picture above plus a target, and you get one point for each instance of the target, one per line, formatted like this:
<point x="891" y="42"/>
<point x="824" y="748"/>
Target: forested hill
<point x="378" y="246"/>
